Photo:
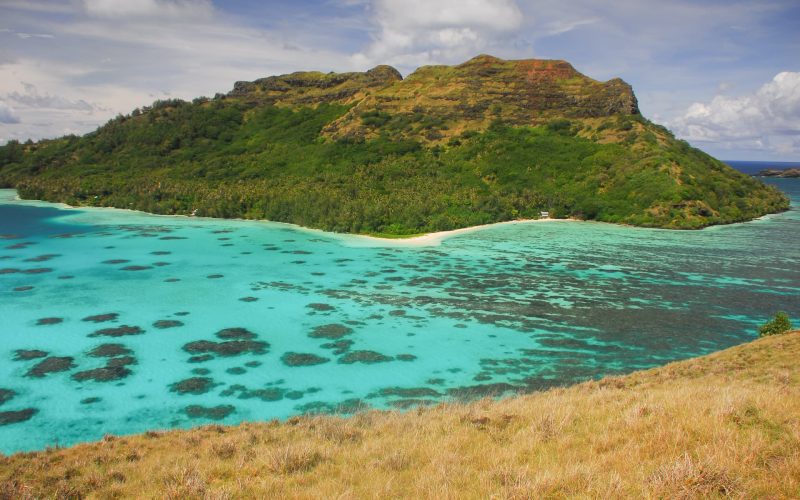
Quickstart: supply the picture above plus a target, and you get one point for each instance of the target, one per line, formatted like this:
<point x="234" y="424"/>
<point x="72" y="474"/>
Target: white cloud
<point x="115" y="55"/>
<point x="25" y="36"/>
<point x="33" y="99"/>
<point x="561" y="26"/>
<point x="421" y="31"/>
<point x="7" y="114"/>
<point x="768" y="119"/>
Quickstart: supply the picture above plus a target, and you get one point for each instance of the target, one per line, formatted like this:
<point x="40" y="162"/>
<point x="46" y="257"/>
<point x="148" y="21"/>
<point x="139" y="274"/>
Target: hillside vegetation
<point x="447" y="147"/>
<point x="724" y="425"/>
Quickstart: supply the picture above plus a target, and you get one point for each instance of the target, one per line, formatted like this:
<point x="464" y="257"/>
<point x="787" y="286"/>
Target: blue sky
<point x="724" y="75"/>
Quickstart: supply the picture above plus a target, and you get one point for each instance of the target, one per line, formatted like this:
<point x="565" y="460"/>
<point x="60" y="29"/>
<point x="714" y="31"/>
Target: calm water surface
<point x="121" y="322"/>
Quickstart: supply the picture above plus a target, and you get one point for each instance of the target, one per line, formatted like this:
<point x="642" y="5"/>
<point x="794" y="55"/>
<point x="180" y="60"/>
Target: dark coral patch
<point x="346" y="407"/>
<point x="209" y="412"/>
<point x="52" y="364"/>
<point x="136" y="268"/>
<point x="407" y="392"/>
<point x="229" y="348"/>
<point x="253" y="364"/>
<point x="49" y="321"/>
<point x="101" y="318"/>
<point x="481" y="391"/>
<point x="171" y="280"/>
<point x="215" y="276"/>
<point x="333" y="331"/>
<point x="37" y="270"/>
<point x="194" y="385"/>
<point x="201" y="371"/>
<point x="242" y="392"/>
<point x="249" y="299"/>
<point x="13" y="417"/>
<point x="119" y="331"/>
<point x="9" y="270"/>
<point x="22" y="288"/>
<point x="6" y="395"/>
<point x="182" y="313"/>
<point x="160" y="252"/>
<point x="121" y="361"/>
<point x="406" y="357"/>
<point x="340" y="346"/>
<point x="28" y="354"/>
<point x="167" y="323"/>
<point x="20" y="246"/>
<point x="201" y="358"/>
<point x="368" y="357"/>
<point x="66" y="277"/>
<point x="320" y="307"/>
<point x="109" y="351"/>
<point x="107" y="373"/>
<point x="91" y="400"/>
<point x="238" y="341"/>
<point x="302" y="359"/>
<point x="236" y="334"/>
<point x="115" y="261"/>
<point x="236" y="370"/>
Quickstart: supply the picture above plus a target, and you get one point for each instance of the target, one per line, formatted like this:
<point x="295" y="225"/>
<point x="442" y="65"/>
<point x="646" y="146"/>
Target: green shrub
<point x="776" y="326"/>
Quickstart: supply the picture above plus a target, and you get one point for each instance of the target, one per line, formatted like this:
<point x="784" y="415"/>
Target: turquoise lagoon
<point x="118" y="322"/>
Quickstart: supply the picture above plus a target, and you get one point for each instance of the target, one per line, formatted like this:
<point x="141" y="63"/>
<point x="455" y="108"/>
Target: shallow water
<point x="119" y="322"/>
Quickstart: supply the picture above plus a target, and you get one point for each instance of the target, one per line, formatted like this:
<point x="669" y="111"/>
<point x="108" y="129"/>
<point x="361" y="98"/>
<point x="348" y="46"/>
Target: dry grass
<point x="725" y="425"/>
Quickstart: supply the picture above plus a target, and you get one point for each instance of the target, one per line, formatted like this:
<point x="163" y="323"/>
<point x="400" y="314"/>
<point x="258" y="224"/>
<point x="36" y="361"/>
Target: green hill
<point x="447" y="147"/>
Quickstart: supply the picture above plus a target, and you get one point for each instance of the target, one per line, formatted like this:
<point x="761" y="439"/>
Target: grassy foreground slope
<point x="485" y="141"/>
<point x="727" y="424"/>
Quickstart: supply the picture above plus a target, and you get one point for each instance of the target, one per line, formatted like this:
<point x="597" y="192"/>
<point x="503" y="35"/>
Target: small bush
<point x="290" y="460"/>
<point x="776" y="326"/>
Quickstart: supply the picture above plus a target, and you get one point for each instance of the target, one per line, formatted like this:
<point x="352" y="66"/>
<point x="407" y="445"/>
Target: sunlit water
<point x="120" y="322"/>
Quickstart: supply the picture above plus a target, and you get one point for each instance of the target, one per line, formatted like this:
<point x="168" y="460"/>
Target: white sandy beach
<point x="434" y="239"/>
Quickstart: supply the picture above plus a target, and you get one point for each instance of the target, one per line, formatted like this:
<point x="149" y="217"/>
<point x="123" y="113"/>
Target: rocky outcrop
<point x="313" y="87"/>
<point x="785" y="173"/>
<point x="437" y="102"/>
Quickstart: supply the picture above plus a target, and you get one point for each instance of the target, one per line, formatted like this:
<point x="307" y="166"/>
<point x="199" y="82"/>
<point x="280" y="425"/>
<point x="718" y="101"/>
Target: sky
<point x="722" y="74"/>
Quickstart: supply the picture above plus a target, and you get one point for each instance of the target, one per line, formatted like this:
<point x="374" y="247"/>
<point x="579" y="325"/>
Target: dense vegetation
<point x="405" y="172"/>
<point x="778" y="325"/>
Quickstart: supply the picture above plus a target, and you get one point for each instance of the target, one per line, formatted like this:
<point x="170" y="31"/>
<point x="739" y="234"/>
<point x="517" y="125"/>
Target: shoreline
<point x="349" y="239"/>
<point x="366" y="240"/>
<point x="436" y="238"/>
